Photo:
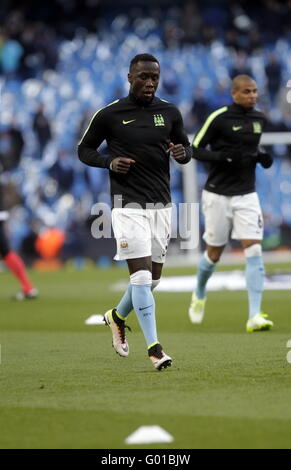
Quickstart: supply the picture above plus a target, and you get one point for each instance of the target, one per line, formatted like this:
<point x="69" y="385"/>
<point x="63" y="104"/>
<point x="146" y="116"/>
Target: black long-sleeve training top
<point x="141" y="132"/>
<point x="230" y="128"/>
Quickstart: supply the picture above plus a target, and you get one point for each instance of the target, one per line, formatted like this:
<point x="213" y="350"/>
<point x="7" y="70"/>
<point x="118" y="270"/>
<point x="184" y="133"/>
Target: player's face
<point x="246" y="94"/>
<point x="144" y="80"/>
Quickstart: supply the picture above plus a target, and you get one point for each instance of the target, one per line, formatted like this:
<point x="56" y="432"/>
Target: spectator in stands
<point x="240" y="66"/>
<point x="170" y="82"/>
<point x="273" y="71"/>
<point x="63" y="172"/>
<point x="10" y="54"/>
<point x="190" y="23"/>
<point x="12" y="144"/>
<point x="272" y="19"/>
<point x="42" y="129"/>
<point x="232" y="40"/>
<point x="200" y="108"/>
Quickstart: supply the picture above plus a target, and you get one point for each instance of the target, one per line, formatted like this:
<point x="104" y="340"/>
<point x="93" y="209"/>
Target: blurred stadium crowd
<point x="63" y="60"/>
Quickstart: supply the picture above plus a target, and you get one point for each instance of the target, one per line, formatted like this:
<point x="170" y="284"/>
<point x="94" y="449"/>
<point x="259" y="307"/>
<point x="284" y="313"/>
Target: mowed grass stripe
<point x="71" y="429"/>
<point x="81" y="371"/>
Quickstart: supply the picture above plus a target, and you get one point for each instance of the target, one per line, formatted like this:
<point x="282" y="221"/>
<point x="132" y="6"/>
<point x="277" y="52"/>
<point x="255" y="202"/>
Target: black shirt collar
<point x="241" y="109"/>
<point x="138" y="102"/>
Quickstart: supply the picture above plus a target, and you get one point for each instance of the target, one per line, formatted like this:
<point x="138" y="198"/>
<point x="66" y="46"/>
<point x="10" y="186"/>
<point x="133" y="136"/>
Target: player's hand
<point x="178" y="151"/>
<point x="265" y="159"/>
<point x="121" y="165"/>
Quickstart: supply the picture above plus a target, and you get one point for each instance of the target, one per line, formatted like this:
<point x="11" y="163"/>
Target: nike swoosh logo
<point x="236" y="128"/>
<point x="127" y="122"/>
<point x="143" y="308"/>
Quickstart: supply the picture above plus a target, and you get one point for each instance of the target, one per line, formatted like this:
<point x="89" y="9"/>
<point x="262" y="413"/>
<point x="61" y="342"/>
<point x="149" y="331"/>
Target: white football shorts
<point x="238" y="216"/>
<point x="142" y="232"/>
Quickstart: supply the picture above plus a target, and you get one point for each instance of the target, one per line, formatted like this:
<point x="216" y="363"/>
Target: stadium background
<point x="61" y="384"/>
<point x="62" y="61"/>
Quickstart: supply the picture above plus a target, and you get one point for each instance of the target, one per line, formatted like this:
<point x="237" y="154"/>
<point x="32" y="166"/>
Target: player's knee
<point x="141" y="278"/>
<point x="253" y="250"/>
<point x="212" y="256"/>
<point x="155" y="283"/>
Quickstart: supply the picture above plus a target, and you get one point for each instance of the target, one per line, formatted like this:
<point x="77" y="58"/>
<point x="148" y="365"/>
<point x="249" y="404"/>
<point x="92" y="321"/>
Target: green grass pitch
<point x="63" y="386"/>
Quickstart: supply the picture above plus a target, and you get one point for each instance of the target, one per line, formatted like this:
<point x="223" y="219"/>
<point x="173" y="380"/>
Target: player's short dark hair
<point x="142" y="58"/>
<point x="239" y="79"/>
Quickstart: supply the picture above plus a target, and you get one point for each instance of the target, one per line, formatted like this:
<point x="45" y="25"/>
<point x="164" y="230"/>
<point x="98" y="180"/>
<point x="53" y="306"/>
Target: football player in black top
<point x="229" y="200"/>
<point x="141" y="132"/>
<point x="9" y="160"/>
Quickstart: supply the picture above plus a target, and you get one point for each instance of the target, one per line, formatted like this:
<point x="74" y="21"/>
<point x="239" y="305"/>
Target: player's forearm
<point x="206" y="155"/>
<point x="91" y="157"/>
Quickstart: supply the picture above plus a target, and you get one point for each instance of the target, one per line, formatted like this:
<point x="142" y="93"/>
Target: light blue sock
<point x="144" y="307"/>
<point x="205" y="270"/>
<point x="255" y="283"/>
<point x="125" y="305"/>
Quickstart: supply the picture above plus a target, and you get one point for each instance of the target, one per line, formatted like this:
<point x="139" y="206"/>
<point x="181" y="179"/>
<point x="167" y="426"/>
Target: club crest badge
<point x="159" y="120"/>
<point x="257" y="128"/>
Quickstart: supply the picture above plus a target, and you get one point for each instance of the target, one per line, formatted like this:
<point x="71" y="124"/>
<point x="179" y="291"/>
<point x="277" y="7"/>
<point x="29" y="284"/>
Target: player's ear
<point x="129" y="77"/>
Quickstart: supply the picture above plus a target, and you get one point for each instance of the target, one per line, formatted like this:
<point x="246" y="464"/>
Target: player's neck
<point x="138" y="101"/>
<point x="243" y="108"/>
